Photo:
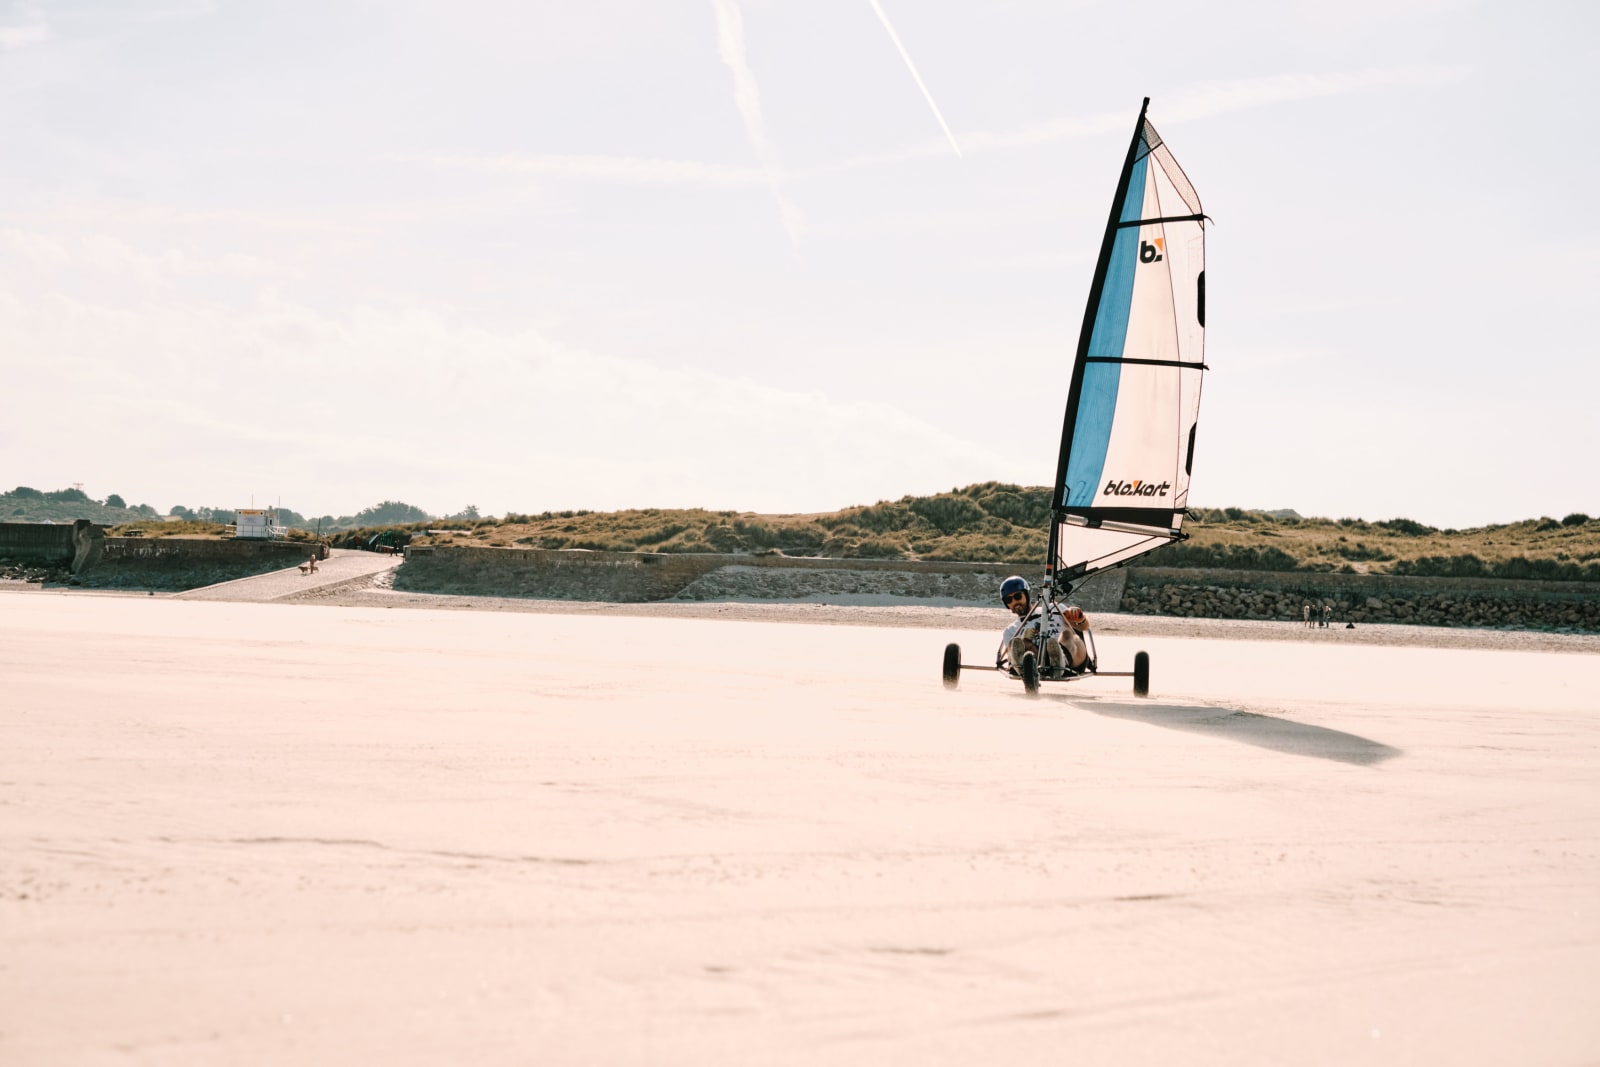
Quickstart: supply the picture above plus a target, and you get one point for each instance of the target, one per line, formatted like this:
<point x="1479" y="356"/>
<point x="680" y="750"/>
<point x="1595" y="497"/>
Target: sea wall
<point x="178" y="563"/>
<point x="37" y="542"/>
<point x="634" y="577"/>
<point x="1361" y="598"/>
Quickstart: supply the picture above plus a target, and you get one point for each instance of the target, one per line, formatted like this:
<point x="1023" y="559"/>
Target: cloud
<point x="120" y="262"/>
<point x="1208" y="99"/>
<point x="621" y="169"/>
<point x="13" y="37"/>
<point x="334" y="412"/>
<point x="1196" y="101"/>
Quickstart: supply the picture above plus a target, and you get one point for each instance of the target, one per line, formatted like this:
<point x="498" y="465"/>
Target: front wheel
<point x="1030" y="674"/>
<point x="952" y="665"/>
<point x="1141" y="674"/>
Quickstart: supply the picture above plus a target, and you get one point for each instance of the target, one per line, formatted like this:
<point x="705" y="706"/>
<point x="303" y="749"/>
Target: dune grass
<point x="997" y="522"/>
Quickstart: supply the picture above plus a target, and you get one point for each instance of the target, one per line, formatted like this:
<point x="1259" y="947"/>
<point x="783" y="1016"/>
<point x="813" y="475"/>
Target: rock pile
<point x="13" y="571"/>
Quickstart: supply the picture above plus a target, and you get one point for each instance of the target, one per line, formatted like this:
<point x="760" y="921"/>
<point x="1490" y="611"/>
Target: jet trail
<point x="912" y="67"/>
<point x="730" y="45"/>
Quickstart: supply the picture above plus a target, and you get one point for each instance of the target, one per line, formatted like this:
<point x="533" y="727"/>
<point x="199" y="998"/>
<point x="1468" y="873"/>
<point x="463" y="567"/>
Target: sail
<point x="1127" y="446"/>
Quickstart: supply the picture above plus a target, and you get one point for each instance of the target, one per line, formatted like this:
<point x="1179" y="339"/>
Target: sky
<point x="783" y="255"/>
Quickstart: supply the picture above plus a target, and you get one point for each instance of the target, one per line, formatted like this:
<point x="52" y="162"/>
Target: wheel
<point x="952" y="665"/>
<point x="1141" y="674"/>
<point x="1030" y="674"/>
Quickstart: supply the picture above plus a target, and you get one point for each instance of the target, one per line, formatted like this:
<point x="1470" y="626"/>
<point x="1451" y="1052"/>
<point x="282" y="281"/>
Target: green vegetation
<point x="989" y="522"/>
<point x="26" y="504"/>
<point x="995" y="522"/>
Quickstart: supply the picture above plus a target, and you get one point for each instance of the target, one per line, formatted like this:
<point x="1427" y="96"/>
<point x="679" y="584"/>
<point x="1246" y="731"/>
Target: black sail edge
<point x="1085" y="334"/>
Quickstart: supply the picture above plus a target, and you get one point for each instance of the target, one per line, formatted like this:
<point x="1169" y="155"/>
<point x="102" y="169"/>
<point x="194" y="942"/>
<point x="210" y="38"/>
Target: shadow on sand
<point x="1263" y="731"/>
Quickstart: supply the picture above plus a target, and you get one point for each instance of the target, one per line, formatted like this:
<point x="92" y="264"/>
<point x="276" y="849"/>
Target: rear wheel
<point x="952" y="665"/>
<point x="1141" y="674"/>
<point x="1030" y="674"/>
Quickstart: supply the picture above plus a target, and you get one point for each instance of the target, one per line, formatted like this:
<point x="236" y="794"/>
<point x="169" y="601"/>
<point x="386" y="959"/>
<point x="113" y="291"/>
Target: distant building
<point x="257" y="523"/>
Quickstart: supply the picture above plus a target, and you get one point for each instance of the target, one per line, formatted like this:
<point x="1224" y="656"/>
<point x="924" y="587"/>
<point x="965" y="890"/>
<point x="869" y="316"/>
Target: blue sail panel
<point x="1097" y="403"/>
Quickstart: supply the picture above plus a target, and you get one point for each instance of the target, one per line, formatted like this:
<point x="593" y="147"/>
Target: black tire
<point x="952" y="665"/>
<point x="1030" y="674"/>
<point x="1141" y="674"/>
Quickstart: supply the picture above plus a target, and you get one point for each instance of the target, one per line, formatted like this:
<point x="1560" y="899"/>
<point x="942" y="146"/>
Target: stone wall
<point x="1218" y="594"/>
<point x="646" y="576"/>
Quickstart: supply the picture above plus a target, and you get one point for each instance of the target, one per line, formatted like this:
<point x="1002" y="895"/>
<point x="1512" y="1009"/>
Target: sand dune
<point x="268" y="833"/>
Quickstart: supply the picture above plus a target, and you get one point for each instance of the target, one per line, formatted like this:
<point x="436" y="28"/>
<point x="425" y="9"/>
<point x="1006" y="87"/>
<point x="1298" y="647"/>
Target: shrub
<point x="1406" y="527"/>
<point x="879" y="518"/>
<point x="1018" y="506"/>
<point x="665" y="533"/>
<point x="874" y="548"/>
<point x="1577" y="518"/>
<point x="370" y="537"/>
<point x="1361" y="551"/>
<point x="390" y="512"/>
<point x="1230" y="557"/>
<point x="1550" y="570"/>
<point x="1461" y="566"/>
<point x="949" y="514"/>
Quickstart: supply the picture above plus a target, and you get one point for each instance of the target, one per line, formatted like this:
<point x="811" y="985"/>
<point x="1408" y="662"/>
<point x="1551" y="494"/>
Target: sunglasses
<point x="1015" y="596"/>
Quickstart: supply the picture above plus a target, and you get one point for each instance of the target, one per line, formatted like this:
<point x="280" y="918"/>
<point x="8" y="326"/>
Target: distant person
<point x="1051" y="634"/>
<point x="1327" y="614"/>
<point x="1305" y="613"/>
<point x="311" y="563"/>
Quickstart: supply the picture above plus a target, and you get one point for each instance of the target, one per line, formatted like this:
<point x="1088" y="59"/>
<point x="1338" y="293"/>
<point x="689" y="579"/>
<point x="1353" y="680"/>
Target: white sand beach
<point x="372" y="828"/>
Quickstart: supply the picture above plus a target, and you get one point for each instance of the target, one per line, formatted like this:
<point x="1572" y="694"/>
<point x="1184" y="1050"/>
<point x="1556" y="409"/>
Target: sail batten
<point x="1127" y="444"/>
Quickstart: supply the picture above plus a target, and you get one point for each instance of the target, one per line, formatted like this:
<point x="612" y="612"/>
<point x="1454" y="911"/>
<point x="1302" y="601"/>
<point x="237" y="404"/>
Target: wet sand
<point x="366" y="827"/>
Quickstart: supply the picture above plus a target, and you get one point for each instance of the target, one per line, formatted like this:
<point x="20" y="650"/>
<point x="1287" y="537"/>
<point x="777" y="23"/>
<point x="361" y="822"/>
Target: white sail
<point x="1127" y="446"/>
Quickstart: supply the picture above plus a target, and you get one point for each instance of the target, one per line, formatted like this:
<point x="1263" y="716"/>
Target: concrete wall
<point x="1219" y="594"/>
<point x="646" y="576"/>
<point x="176" y="563"/>
<point x="37" y="542"/>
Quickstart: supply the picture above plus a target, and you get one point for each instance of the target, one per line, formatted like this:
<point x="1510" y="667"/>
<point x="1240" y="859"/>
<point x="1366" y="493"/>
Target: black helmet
<point x="1015" y="584"/>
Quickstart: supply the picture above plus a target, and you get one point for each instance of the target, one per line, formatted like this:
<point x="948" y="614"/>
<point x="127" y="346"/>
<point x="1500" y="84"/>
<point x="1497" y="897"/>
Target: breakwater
<point x="81" y="554"/>
<point x="636" y="577"/>
<point x="1360" y="598"/>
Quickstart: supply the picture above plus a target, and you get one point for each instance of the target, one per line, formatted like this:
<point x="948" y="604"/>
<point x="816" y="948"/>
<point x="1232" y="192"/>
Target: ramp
<point x="340" y="566"/>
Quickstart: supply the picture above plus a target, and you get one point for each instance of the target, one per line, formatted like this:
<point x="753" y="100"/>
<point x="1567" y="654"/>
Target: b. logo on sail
<point x="1150" y="253"/>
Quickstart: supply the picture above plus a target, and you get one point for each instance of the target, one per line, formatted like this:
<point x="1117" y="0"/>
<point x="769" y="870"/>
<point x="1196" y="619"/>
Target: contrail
<point x="730" y="45"/>
<point x="912" y="67"/>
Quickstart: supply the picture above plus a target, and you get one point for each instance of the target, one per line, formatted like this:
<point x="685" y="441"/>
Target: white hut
<point x="257" y="523"/>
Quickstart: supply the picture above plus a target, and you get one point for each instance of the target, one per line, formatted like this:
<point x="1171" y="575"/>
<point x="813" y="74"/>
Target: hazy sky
<point x="783" y="255"/>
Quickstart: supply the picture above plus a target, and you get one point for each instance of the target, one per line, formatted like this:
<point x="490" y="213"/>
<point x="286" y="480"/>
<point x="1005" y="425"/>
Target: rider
<point x="1061" y="641"/>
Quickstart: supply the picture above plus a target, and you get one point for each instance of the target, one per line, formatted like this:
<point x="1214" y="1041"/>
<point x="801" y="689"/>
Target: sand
<point x="364" y="828"/>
